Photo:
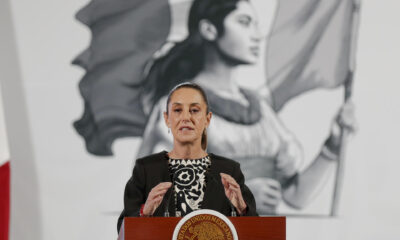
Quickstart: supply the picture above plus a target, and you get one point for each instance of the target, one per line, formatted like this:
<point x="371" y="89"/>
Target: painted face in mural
<point x="241" y="38"/>
<point x="187" y="116"/>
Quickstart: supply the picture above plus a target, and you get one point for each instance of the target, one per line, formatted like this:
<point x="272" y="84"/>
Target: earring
<point x="169" y="130"/>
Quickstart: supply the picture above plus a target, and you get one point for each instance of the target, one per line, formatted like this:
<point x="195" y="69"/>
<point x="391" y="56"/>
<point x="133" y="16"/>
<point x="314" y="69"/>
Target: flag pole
<point x="348" y="91"/>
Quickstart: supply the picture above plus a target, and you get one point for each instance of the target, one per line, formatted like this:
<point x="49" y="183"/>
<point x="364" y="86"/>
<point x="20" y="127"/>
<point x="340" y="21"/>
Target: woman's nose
<point x="256" y="35"/>
<point x="186" y="115"/>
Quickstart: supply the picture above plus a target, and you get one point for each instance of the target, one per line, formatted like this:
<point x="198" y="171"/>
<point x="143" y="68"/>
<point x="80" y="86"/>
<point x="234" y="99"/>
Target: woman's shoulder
<point x="223" y="160"/>
<point x="152" y="158"/>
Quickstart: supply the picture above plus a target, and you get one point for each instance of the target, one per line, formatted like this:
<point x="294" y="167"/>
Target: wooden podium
<point x="248" y="228"/>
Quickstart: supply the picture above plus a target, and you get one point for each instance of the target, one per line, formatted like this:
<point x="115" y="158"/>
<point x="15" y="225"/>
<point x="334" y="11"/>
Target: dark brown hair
<point x="186" y="59"/>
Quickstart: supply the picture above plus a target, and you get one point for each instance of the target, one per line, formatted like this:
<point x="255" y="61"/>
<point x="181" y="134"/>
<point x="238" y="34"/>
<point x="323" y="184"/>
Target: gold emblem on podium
<point x="205" y="225"/>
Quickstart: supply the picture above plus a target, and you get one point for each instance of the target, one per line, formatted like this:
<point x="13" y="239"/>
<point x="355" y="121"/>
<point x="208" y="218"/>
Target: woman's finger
<point x="162" y="185"/>
<point x="157" y="193"/>
<point x="270" y="203"/>
<point x="272" y="193"/>
<point x="158" y="199"/>
<point x="273" y="201"/>
<point x="346" y="116"/>
<point x="273" y="184"/>
<point x="235" y="190"/>
<point x="234" y="186"/>
<point x="228" y="179"/>
<point x="224" y="182"/>
<point x="237" y="194"/>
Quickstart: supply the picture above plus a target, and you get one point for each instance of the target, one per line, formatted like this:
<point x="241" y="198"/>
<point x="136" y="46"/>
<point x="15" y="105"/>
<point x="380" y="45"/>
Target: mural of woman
<point x="222" y="36"/>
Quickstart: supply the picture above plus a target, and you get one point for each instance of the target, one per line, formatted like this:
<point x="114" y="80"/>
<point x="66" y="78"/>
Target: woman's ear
<point x="166" y="119"/>
<point x="208" y="30"/>
<point x="209" y="115"/>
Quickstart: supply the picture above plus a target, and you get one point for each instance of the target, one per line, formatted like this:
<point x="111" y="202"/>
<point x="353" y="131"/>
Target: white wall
<point x="4" y="148"/>
<point x="25" y="202"/>
<point x="68" y="194"/>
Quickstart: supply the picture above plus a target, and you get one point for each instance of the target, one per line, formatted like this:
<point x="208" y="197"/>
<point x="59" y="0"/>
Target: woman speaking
<point x="186" y="178"/>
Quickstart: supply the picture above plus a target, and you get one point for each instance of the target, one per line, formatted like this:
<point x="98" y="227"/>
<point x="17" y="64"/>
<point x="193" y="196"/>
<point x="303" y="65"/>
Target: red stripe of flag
<point x="4" y="200"/>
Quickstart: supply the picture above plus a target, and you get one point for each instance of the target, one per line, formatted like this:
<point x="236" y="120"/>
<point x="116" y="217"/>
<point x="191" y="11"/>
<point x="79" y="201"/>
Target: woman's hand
<point x="288" y="159"/>
<point x="155" y="198"/>
<point x="345" y="119"/>
<point x="233" y="193"/>
<point x="267" y="192"/>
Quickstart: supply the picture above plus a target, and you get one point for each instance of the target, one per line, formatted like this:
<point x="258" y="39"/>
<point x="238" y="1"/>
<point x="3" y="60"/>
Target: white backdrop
<point x="61" y="192"/>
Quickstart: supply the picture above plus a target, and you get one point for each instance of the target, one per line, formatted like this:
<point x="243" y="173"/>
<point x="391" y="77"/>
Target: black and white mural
<point x="252" y="58"/>
<point x="297" y="81"/>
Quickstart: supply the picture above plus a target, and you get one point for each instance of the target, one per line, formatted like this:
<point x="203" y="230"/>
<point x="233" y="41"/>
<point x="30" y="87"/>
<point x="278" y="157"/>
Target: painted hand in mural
<point x="155" y="198"/>
<point x="289" y="158"/>
<point x="268" y="194"/>
<point x="345" y="120"/>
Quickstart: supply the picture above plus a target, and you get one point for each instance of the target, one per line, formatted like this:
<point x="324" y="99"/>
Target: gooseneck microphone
<point x="166" y="210"/>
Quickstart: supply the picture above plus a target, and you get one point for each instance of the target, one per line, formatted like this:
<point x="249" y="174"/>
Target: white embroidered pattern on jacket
<point x="189" y="183"/>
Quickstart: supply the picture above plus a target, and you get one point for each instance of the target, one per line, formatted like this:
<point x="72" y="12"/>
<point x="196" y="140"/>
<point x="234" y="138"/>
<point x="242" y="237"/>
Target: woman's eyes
<point x="244" y="21"/>
<point x="194" y="110"/>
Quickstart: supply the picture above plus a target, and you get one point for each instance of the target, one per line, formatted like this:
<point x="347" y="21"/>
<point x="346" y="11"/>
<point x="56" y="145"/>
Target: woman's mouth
<point x="186" y="128"/>
<point x="255" y="50"/>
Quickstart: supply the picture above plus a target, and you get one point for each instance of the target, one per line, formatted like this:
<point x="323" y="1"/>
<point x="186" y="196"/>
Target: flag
<point x="125" y="35"/>
<point x="4" y="178"/>
<point x="310" y="47"/>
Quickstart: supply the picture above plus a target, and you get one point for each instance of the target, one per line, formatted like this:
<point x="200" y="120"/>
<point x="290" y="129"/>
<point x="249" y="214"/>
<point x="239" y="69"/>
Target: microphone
<point x="166" y="210"/>
<point x="233" y="211"/>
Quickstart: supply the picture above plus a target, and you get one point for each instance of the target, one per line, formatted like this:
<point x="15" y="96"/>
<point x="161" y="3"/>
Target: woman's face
<point x="187" y="116"/>
<point x="241" y="38"/>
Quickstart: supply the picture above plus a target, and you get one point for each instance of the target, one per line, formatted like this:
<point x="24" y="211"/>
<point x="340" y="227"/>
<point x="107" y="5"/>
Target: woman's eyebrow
<point x="194" y="104"/>
<point x="177" y="104"/>
<point x="180" y="104"/>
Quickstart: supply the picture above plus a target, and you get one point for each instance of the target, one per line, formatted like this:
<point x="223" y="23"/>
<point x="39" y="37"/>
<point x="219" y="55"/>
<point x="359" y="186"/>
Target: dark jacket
<point x="151" y="170"/>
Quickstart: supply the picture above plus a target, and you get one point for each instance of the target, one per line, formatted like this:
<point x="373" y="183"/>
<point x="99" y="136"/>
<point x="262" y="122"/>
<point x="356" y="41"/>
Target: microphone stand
<point x="166" y="210"/>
